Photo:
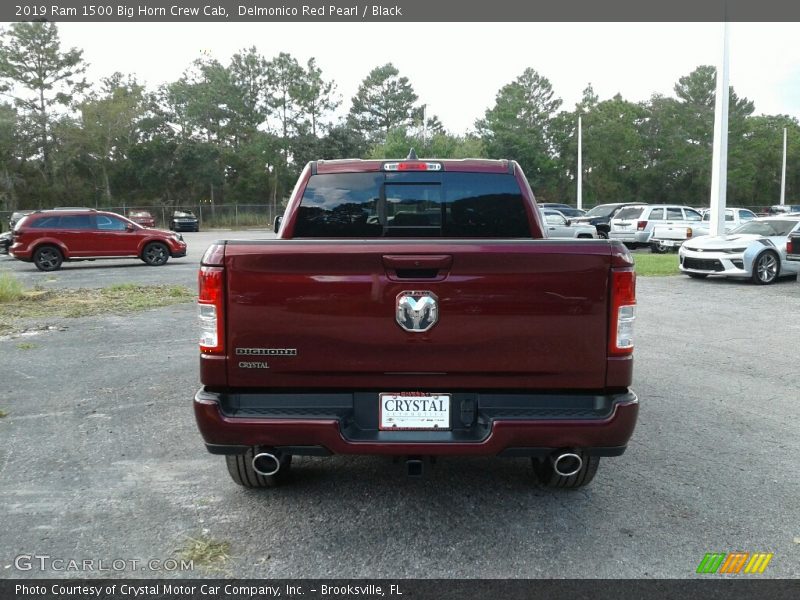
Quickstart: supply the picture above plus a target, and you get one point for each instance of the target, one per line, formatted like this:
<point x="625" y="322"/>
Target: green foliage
<point x="10" y="288"/>
<point x="519" y="126"/>
<point x="240" y="133"/>
<point x="384" y="101"/>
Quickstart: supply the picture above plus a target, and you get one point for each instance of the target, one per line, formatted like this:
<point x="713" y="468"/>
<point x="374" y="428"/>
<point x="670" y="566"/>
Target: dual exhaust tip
<point x="565" y="464"/>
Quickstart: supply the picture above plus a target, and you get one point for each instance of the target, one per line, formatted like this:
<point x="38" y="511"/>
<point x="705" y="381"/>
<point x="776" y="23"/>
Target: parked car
<point x="142" y="217"/>
<point x="184" y="220"/>
<point x="793" y="249"/>
<point x="15" y="217"/>
<point x="634" y="225"/>
<point x="781" y="209"/>
<point x="565" y="209"/>
<point x="352" y="335"/>
<point x="5" y="242"/>
<point x="559" y="226"/>
<point x="756" y="250"/>
<point x="49" y="237"/>
<point x="600" y="216"/>
<point x="734" y="217"/>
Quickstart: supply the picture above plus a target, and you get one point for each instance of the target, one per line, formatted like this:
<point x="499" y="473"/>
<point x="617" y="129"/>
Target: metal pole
<point x="580" y="164"/>
<point x="719" y="159"/>
<point x="783" y="171"/>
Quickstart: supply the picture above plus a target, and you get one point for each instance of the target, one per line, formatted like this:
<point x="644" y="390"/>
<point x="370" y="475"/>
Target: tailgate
<point x="509" y="314"/>
<point x="670" y="232"/>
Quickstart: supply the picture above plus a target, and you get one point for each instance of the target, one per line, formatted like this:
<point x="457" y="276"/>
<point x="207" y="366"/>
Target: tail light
<point x="792" y="246"/>
<point x="623" y="311"/>
<point x="640" y="225"/>
<point x="210" y="309"/>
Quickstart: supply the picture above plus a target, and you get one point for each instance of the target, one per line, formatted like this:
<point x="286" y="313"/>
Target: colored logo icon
<point x="734" y="563"/>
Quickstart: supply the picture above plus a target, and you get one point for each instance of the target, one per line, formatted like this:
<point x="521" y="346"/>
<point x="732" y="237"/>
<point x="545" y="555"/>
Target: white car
<point x="634" y="225"/>
<point x="756" y="250"/>
<point x="559" y="226"/>
<point x="734" y="217"/>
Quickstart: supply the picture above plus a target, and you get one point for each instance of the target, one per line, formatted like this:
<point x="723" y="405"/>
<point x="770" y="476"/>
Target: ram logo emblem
<point x="417" y="311"/>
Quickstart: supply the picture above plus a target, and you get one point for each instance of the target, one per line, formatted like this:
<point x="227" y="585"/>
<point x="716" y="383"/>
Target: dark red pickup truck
<point x="415" y="308"/>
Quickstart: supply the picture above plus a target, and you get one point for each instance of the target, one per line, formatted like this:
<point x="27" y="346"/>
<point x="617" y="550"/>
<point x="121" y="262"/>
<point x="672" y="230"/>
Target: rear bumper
<point x="500" y="424"/>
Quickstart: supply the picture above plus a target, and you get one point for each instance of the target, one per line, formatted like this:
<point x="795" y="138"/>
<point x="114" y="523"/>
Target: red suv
<point x="49" y="237"/>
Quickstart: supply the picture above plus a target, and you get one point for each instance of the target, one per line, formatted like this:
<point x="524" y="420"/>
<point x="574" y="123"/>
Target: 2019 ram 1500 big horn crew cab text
<point x="416" y="308"/>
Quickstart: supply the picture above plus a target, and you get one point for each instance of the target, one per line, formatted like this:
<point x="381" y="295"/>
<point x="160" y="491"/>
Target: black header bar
<point x="399" y="10"/>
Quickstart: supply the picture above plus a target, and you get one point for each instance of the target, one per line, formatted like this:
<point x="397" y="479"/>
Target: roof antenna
<point x="412" y="155"/>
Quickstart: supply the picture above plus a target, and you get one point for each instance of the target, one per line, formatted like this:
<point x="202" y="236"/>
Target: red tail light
<point x="640" y="225"/>
<point x="622" y="311"/>
<point x="792" y="246"/>
<point x="210" y="309"/>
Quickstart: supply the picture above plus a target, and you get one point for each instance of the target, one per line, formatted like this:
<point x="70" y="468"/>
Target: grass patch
<point x="115" y="299"/>
<point x="11" y="289"/>
<point x="3" y="414"/>
<point x="207" y="553"/>
<point x="656" y="265"/>
<point x="26" y="346"/>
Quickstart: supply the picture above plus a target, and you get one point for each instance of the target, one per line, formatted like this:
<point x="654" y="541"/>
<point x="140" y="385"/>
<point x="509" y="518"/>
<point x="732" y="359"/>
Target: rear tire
<point x="155" y="254"/>
<point x="240" y="468"/>
<point x="543" y="468"/>
<point x="48" y="258"/>
<point x="659" y="248"/>
<point x="766" y="268"/>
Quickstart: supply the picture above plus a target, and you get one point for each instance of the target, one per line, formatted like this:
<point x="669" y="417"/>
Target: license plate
<point x="414" y="411"/>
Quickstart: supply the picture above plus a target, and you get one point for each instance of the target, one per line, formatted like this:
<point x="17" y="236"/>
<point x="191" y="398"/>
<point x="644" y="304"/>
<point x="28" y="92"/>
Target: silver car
<point x="756" y="250"/>
<point x="634" y="225"/>
<point x="559" y="226"/>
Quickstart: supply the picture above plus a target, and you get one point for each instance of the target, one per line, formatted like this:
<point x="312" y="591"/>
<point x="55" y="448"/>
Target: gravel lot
<point x="101" y="459"/>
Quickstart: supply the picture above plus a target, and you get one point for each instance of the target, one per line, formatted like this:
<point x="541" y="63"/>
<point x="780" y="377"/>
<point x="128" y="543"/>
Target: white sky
<point x="457" y="68"/>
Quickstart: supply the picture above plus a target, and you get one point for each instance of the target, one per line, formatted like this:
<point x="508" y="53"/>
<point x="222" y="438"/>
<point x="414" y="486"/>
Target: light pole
<point x="580" y="164"/>
<point x="719" y="157"/>
<point x="783" y="171"/>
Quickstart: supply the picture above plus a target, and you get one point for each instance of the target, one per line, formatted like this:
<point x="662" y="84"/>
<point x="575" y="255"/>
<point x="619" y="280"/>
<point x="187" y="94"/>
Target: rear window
<point x="631" y="212"/>
<point x="441" y="204"/>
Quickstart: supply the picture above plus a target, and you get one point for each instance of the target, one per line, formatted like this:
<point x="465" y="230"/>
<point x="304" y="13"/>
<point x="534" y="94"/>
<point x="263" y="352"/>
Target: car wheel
<point x="155" y="254"/>
<point x="659" y="248"/>
<point x="48" y="258"/>
<point x="602" y="234"/>
<point x="547" y="476"/>
<point x="766" y="268"/>
<point x="697" y="275"/>
<point x="240" y="468"/>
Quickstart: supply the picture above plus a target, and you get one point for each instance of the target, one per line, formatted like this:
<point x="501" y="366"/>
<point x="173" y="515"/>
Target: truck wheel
<point x="766" y="268"/>
<point x="155" y="254"/>
<point x="48" y="258"/>
<point x="543" y="468"/>
<point x="240" y="467"/>
<point x="659" y="248"/>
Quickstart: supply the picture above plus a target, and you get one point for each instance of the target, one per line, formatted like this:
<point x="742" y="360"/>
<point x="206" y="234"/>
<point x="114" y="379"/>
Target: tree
<point x="315" y="96"/>
<point x="109" y="124"/>
<point x="384" y="101"/>
<point x="39" y="76"/>
<point x="519" y="126"/>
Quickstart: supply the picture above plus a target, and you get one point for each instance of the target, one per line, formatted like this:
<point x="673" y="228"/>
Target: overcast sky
<point x="457" y="68"/>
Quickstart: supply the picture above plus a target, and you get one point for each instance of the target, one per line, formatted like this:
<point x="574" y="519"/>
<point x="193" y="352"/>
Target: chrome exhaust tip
<point x="266" y="464"/>
<point x="567" y="464"/>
